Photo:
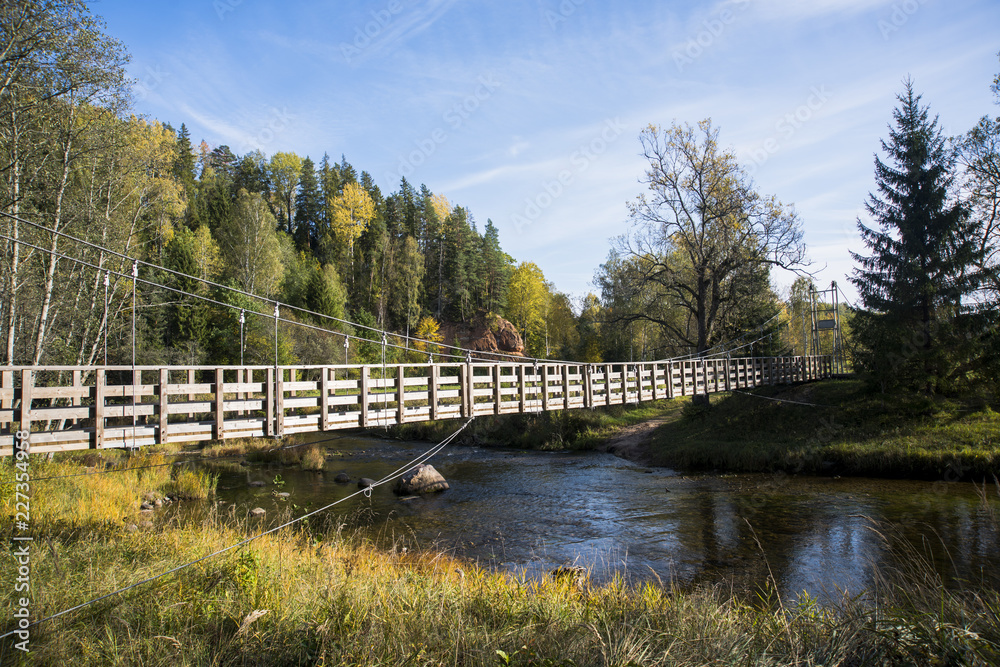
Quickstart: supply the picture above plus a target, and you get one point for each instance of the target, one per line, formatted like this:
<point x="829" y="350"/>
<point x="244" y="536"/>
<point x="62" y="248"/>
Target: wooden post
<point x="6" y="397"/>
<point x="279" y="403"/>
<point x="432" y="387"/>
<point x="545" y="387"/>
<point x="136" y="397"/>
<point x="24" y="412"/>
<point x="270" y="423"/>
<point x="497" y="393"/>
<point x="400" y="394"/>
<point x="324" y="398"/>
<point x="607" y="384"/>
<point x="220" y="425"/>
<point x="522" y="387"/>
<point x="363" y="399"/>
<point x="164" y="406"/>
<point x="99" y="383"/>
<point x="588" y="386"/>
<point x="565" y="382"/>
<point x="7" y="382"/>
<point x="470" y="383"/>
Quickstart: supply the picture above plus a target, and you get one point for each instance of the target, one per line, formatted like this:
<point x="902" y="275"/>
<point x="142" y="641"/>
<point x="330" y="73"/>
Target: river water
<point x="529" y="512"/>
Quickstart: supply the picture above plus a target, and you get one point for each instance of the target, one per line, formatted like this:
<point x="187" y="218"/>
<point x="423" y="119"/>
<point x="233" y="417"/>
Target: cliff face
<point x="488" y="336"/>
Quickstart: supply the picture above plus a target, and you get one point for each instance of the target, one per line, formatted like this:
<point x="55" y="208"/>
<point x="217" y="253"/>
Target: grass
<point x="848" y="430"/>
<point x="315" y="596"/>
<point x="559" y="429"/>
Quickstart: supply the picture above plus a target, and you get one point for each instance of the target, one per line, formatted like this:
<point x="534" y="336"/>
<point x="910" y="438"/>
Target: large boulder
<point x="422" y="479"/>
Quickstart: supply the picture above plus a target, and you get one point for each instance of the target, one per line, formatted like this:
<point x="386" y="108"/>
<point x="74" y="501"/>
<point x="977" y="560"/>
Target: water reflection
<point x="529" y="512"/>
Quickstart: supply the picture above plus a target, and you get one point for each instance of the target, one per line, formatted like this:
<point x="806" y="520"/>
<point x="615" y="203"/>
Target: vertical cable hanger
<point x="107" y="315"/>
<point x="135" y="284"/>
<point x="243" y="319"/>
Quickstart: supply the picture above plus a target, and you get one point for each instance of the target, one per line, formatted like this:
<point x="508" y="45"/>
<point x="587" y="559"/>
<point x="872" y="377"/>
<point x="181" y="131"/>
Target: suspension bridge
<point x="66" y="408"/>
<point x="71" y="408"/>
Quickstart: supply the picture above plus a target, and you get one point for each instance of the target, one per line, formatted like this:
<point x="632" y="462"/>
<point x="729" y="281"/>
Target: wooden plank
<point x="191" y="396"/>
<point x="72" y="393"/>
<point x="58" y="413"/>
<point x="220" y="410"/>
<point x="192" y="390"/>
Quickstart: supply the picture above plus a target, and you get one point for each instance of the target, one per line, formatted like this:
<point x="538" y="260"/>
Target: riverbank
<point x="315" y="593"/>
<point x="832" y="427"/>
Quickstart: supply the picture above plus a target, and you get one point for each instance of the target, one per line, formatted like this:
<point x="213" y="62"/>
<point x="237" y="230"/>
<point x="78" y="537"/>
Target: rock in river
<point x="422" y="479"/>
<point x="342" y="478"/>
<point x="365" y="482"/>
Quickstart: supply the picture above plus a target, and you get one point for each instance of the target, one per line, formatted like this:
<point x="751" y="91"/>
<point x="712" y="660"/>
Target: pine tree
<point x="917" y="283"/>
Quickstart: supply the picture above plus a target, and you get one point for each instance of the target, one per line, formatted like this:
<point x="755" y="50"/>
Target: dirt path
<point x="631" y="441"/>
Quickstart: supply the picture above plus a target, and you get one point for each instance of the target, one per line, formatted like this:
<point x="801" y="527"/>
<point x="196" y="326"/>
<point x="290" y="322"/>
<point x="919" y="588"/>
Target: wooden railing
<point x="67" y="408"/>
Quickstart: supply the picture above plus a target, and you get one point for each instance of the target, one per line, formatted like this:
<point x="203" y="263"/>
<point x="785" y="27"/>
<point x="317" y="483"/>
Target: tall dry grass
<point x="316" y="596"/>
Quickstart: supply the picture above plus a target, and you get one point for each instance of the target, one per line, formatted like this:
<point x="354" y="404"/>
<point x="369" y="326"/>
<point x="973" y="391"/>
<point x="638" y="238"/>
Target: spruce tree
<point x="308" y="208"/>
<point x="917" y="284"/>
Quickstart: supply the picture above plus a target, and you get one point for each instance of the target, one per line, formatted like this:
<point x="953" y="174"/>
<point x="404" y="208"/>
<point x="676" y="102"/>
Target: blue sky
<point x="528" y="112"/>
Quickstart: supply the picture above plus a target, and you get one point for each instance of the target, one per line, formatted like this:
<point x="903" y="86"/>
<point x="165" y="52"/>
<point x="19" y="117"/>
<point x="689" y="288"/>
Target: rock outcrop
<point x="496" y="335"/>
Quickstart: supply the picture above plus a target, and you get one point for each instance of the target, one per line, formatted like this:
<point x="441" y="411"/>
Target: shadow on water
<point x="532" y="511"/>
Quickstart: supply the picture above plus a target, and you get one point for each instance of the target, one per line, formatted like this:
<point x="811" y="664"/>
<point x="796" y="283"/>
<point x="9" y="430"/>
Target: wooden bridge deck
<point x="70" y="408"/>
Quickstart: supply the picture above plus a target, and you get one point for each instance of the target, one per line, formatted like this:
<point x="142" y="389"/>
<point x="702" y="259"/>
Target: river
<point x="528" y="512"/>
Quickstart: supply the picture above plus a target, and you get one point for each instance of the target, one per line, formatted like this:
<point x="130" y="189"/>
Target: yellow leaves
<point x="353" y="211"/>
<point x="441" y="206"/>
<point x="206" y="253"/>
<point x="527" y="297"/>
<point x="429" y="331"/>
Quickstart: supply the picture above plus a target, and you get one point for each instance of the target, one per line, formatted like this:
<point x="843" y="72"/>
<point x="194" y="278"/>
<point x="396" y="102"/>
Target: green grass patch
<point x="847" y="429"/>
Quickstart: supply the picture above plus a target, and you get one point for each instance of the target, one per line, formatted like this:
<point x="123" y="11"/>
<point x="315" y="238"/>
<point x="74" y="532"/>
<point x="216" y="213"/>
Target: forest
<point x="125" y="237"/>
